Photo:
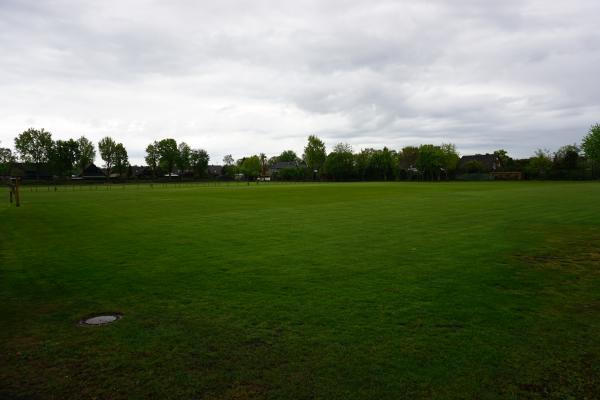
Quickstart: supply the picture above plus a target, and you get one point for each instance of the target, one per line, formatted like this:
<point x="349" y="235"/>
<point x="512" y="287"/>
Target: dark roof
<point x="215" y="170"/>
<point x="146" y="172"/>
<point x="489" y="161"/>
<point x="284" y="164"/>
<point x="137" y="169"/>
<point x="92" y="171"/>
<point x="29" y="171"/>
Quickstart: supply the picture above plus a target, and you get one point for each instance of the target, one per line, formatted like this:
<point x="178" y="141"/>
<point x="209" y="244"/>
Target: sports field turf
<point x="301" y="291"/>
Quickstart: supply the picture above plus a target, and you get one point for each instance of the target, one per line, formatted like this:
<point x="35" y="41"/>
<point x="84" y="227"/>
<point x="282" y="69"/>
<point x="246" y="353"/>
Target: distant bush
<point x="289" y="174"/>
<point x="473" y="167"/>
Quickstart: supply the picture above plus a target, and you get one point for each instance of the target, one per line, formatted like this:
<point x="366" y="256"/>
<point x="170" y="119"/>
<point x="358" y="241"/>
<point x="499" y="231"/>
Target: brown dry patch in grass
<point x="569" y="252"/>
<point x="245" y="391"/>
<point x="569" y="266"/>
<point x="576" y="380"/>
<point x="238" y="391"/>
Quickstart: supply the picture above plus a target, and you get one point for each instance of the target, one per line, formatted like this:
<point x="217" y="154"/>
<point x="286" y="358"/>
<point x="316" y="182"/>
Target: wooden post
<point x="17" y="197"/>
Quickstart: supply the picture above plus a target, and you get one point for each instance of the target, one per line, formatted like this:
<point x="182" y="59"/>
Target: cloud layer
<point x="246" y="77"/>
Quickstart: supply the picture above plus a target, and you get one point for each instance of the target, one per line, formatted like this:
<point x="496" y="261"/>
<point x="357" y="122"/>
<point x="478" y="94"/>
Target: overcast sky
<point x="244" y="77"/>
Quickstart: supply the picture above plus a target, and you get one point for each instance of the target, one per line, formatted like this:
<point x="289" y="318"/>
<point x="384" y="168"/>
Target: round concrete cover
<point x="101" y="320"/>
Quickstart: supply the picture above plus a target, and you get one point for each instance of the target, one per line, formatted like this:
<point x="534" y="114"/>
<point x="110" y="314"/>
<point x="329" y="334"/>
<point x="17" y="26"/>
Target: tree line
<point x="166" y="157"/>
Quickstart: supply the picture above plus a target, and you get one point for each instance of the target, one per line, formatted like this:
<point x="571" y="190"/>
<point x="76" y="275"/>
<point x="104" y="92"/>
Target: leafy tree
<point x="228" y="160"/>
<point x="474" y="167"/>
<point x="505" y="160"/>
<point x="152" y="157"/>
<point x="229" y="167"/>
<point x="64" y="156"/>
<point x="339" y="164"/>
<point x="381" y="164"/>
<point x="591" y="143"/>
<point x="314" y="153"/>
<point x="290" y="174"/>
<point x="566" y="157"/>
<point x="199" y="159"/>
<point x="34" y="146"/>
<point x="540" y="164"/>
<point x="407" y="159"/>
<point x="168" y="151"/>
<point x="408" y="156"/>
<point x="362" y="161"/>
<point x="107" y="147"/>
<point x="229" y="171"/>
<point x="451" y="158"/>
<point x="431" y="161"/>
<point x="121" y="159"/>
<point x="6" y="160"/>
<point x="250" y="167"/>
<point x="86" y="151"/>
<point x="183" y="159"/>
<point x="288" y="156"/>
<point x="263" y="164"/>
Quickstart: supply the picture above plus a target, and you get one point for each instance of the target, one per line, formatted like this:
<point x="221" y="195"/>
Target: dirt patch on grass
<point x="592" y="307"/>
<point x="568" y="251"/>
<point x="246" y="391"/>
<point x="576" y="379"/>
<point x="237" y="391"/>
<point x="566" y="286"/>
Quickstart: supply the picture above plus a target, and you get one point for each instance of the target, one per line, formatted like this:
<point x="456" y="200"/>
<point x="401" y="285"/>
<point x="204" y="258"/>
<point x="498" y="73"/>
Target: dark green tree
<point x="407" y="161"/>
<point x="229" y="168"/>
<point x="540" y="164"/>
<point x="107" y="147"/>
<point x="250" y="167"/>
<point x="199" y="159"/>
<point x="591" y="146"/>
<point x="228" y="159"/>
<point x="152" y="157"/>
<point x="64" y="156"/>
<point x="263" y="164"/>
<point x="362" y="161"/>
<point x="566" y="157"/>
<point x="431" y="161"/>
<point x="290" y="174"/>
<point x="87" y="153"/>
<point x="505" y="161"/>
<point x="474" y="167"/>
<point x="314" y="153"/>
<point x="272" y="161"/>
<point x="6" y="160"/>
<point x="451" y="159"/>
<point x="183" y="158"/>
<point x="121" y="159"/>
<point x="288" y="156"/>
<point x="34" y="147"/>
<point x="408" y="157"/>
<point x="339" y="164"/>
<point x="167" y="148"/>
<point x="382" y="165"/>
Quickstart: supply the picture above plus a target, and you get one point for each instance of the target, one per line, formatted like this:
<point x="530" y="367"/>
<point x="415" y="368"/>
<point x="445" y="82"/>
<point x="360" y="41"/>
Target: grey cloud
<point x="513" y="74"/>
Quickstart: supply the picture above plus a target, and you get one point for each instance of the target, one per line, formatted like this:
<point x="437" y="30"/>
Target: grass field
<point x="329" y="291"/>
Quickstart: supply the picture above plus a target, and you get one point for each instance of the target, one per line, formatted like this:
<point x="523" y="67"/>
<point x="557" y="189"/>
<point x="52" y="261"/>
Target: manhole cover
<point x="100" y="319"/>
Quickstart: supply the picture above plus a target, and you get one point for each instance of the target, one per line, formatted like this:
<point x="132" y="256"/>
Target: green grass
<point x="330" y="291"/>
